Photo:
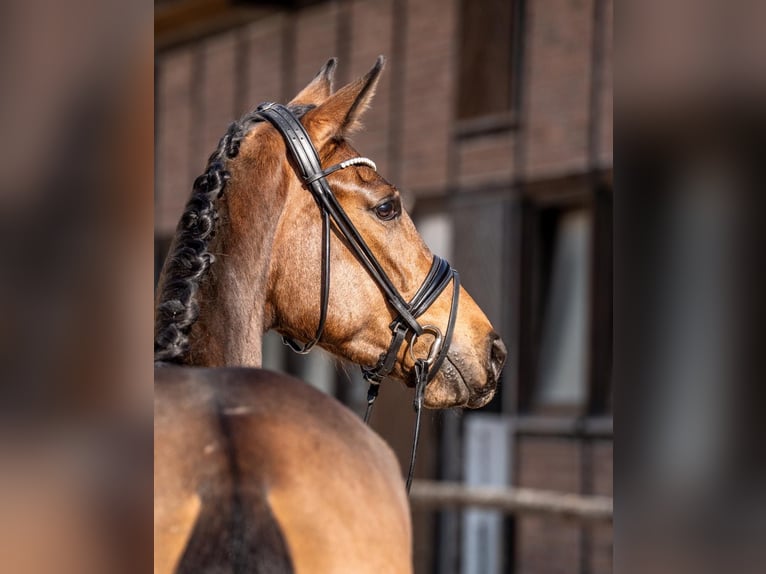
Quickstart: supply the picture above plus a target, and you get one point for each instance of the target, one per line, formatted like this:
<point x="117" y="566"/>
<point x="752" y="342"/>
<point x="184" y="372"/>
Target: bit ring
<point x="435" y="346"/>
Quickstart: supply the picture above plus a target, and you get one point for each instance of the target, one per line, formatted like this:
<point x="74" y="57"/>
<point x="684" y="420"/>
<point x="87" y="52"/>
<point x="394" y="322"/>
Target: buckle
<point x="435" y="346"/>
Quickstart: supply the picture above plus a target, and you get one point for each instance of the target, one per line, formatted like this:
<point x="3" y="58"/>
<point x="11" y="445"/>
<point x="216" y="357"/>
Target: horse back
<point x="259" y="472"/>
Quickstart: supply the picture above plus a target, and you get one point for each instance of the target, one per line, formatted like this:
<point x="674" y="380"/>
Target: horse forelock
<point x="187" y="265"/>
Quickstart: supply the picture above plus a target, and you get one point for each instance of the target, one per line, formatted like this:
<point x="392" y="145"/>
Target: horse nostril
<point x="497" y="355"/>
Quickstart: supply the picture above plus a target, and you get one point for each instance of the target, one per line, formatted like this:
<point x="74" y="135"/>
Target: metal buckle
<point x="435" y="346"/>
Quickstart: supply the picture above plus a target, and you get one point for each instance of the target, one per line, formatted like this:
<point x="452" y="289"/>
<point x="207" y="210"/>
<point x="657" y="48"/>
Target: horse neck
<point x="230" y="292"/>
<point x="233" y="299"/>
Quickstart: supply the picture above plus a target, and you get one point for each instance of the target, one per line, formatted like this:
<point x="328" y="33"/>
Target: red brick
<point x="557" y="86"/>
<point x="218" y="91"/>
<point x="315" y="41"/>
<point x="371" y="35"/>
<point x="429" y="93"/>
<point x="174" y="134"/>
<point x="264" y="62"/>
<point x="487" y="159"/>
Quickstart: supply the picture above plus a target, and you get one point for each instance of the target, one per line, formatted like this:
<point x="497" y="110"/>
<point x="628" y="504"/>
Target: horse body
<point x="255" y="471"/>
<point x="259" y="472"/>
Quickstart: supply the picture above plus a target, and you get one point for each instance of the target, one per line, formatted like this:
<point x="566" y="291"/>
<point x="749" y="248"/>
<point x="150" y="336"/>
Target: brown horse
<point x="255" y="471"/>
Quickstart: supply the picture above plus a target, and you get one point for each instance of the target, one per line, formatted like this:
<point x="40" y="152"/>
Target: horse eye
<point x="387" y="210"/>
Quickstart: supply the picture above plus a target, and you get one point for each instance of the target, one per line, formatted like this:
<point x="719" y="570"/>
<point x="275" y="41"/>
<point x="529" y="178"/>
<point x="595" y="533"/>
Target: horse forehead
<point x="339" y="150"/>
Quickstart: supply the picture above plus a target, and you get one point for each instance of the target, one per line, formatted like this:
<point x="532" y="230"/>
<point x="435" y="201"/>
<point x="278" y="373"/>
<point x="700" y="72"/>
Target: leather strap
<point x="437" y="279"/>
<point x="305" y="155"/>
<point x="440" y="274"/>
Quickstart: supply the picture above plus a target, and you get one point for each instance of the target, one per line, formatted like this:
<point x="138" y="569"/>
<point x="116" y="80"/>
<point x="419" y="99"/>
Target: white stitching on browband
<point x="359" y="161"/>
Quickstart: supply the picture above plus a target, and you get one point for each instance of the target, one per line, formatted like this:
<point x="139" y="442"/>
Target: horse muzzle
<point x="466" y="380"/>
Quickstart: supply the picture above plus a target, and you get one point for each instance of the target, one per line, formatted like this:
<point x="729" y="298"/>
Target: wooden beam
<point x="580" y="508"/>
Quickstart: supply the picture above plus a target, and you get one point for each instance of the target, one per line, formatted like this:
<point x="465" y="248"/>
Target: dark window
<point x="562" y="366"/>
<point x="566" y="300"/>
<point x="487" y="57"/>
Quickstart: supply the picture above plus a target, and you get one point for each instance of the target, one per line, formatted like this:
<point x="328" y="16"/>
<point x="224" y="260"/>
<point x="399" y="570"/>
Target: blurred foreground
<point x="689" y="286"/>
<point x="76" y="210"/>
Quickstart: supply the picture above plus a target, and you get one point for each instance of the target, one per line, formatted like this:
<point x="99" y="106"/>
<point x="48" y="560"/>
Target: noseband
<point x="405" y="327"/>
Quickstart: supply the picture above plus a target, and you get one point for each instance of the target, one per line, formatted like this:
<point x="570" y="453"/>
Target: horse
<point x="256" y="471"/>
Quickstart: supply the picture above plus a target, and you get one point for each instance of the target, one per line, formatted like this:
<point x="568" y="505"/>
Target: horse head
<point x="283" y="264"/>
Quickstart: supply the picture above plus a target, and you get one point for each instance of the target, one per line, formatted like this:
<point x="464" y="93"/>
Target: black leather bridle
<point x="405" y="326"/>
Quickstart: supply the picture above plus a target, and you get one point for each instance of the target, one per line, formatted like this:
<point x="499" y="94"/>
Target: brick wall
<point x="549" y="545"/>
<point x="409" y="130"/>
<point x="546" y="545"/>
<point x="557" y="85"/>
<point x="316" y="40"/>
<point x="429" y="75"/>
<point x="263" y="77"/>
<point x="486" y="160"/>
<point x="174" y="138"/>
<point x="606" y="96"/>
<point x="412" y="134"/>
<point x="372" y="32"/>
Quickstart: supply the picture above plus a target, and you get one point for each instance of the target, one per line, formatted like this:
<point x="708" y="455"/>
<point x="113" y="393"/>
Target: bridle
<point x="405" y="327"/>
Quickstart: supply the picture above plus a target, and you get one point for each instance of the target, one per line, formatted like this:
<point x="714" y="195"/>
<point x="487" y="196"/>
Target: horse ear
<point x="339" y="115"/>
<point x="320" y="88"/>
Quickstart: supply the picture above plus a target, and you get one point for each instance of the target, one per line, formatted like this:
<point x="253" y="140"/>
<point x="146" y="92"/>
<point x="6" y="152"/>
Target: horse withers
<point x="255" y="472"/>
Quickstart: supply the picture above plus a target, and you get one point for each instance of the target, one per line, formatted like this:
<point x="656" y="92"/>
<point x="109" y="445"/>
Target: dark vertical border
<point x="600" y="274"/>
<point x="601" y="304"/>
<point x="515" y="236"/>
<point x="515" y="217"/>
<point x="528" y="305"/>
<point x="527" y="229"/>
<point x="600" y="335"/>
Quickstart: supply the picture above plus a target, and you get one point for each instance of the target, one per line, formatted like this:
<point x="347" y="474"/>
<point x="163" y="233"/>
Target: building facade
<point x="496" y="116"/>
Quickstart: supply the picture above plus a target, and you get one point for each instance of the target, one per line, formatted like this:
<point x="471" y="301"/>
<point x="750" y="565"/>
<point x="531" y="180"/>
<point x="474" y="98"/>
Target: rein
<point x="405" y="327"/>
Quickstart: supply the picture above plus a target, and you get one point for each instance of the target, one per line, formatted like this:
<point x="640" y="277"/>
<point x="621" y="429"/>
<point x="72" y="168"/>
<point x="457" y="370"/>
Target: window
<point x="566" y="300"/>
<point x="562" y="367"/>
<point x="488" y="58"/>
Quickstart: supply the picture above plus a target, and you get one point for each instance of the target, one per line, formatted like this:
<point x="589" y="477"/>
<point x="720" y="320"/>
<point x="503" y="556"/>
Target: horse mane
<point x="186" y="266"/>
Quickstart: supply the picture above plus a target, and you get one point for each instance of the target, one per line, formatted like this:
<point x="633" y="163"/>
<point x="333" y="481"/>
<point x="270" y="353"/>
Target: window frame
<point x="594" y="194"/>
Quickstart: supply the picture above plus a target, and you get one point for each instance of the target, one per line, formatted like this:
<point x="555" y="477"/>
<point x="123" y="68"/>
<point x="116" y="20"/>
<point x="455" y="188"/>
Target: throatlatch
<point x="405" y="326"/>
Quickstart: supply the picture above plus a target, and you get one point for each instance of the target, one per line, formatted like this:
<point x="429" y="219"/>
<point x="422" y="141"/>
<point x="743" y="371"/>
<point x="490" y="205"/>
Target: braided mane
<point x="186" y="266"/>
